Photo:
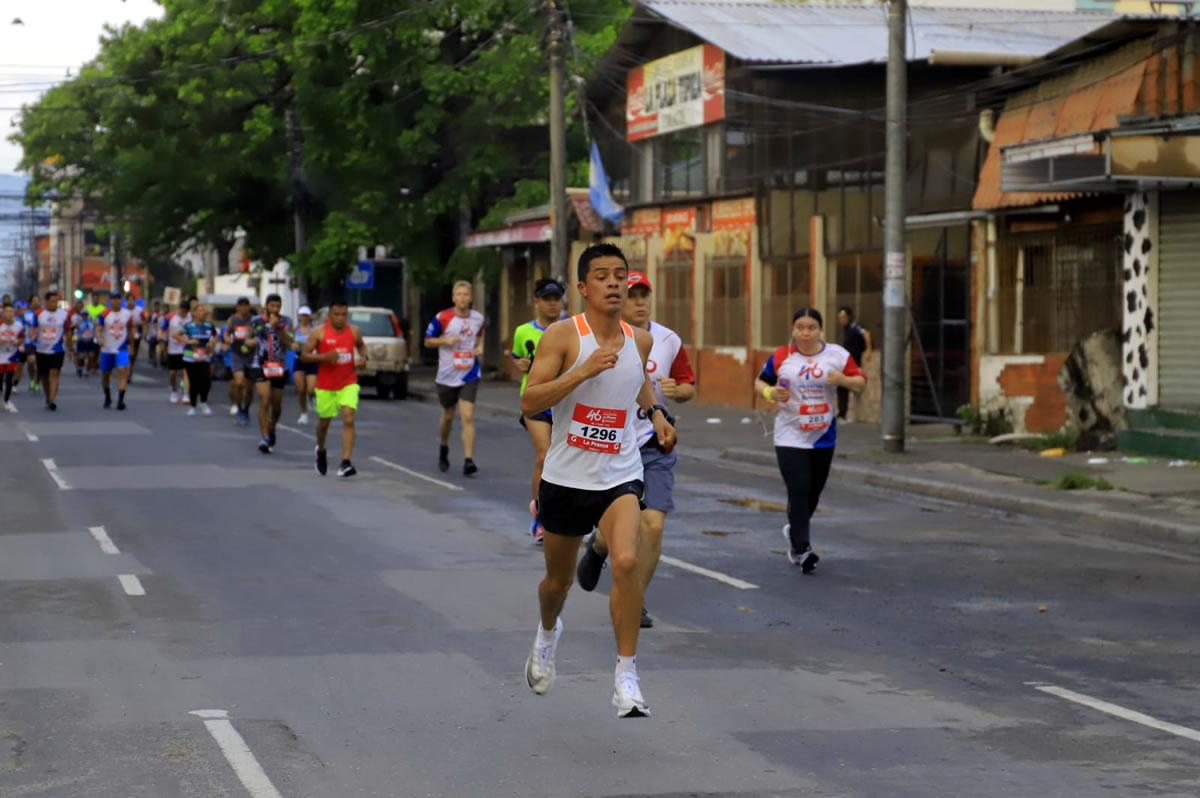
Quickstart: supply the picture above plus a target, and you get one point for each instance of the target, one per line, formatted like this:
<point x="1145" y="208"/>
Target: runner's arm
<point x="547" y="384"/>
<point x="664" y="430"/>
<point x="309" y="353"/>
<point x="360" y="344"/>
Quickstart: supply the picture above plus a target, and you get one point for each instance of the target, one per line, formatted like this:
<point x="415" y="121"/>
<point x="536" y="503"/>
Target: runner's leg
<point x="560" y="552"/>
<point x="445" y="424"/>
<point x="9" y="374"/>
<point x="466" y="414"/>
<point x="263" y="389"/>
<point x="276" y="407"/>
<point x="322" y="432"/>
<point x="300" y="380"/>
<point x="795" y="465"/>
<point x="539" y="436"/>
<point x="52" y="384"/>
<point x="649" y="544"/>
<point x="619" y="524"/>
<point x="348" y="432"/>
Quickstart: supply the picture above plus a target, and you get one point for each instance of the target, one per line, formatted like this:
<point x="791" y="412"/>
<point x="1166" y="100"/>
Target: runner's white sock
<point x="545" y="638"/>
<point x="626" y="664"/>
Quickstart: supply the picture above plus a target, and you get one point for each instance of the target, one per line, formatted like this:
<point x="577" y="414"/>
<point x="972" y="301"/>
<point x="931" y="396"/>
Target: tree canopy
<point x="411" y="121"/>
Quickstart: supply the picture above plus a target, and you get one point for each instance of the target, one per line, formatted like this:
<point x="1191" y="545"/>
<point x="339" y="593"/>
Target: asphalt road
<point x="366" y="637"/>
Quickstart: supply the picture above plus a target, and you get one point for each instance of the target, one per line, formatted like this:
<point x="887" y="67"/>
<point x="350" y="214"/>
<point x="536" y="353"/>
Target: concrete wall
<point x="1026" y="388"/>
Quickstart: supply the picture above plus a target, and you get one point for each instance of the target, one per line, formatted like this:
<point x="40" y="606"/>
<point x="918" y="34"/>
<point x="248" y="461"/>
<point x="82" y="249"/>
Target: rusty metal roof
<point x="793" y="32"/>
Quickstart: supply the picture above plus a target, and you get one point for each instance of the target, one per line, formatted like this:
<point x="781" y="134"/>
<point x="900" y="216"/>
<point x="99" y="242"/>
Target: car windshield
<point x="373" y="325"/>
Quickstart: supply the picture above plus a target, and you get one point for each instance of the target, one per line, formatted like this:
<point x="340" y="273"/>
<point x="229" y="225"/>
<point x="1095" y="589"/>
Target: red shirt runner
<point x="336" y="376"/>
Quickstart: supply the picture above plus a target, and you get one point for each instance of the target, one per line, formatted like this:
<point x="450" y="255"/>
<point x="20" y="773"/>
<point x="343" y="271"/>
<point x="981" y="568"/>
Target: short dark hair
<point x="185" y="305"/>
<point x="849" y="311"/>
<point x="808" y="313"/>
<point x="601" y="250"/>
<point x="273" y="298"/>
<point x="50" y="294"/>
<point x="338" y="303"/>
<point x="242" y="301"/>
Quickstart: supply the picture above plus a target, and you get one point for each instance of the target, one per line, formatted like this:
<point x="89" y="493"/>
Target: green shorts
<point x="330" y="402"/>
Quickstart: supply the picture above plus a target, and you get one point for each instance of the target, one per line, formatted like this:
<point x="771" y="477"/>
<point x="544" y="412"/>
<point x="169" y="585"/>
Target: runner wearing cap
<point x="547" y="304"/>
<point x="672" y="377"/>
<point x="304" y="373"/>
<point x="457" y="334"/>
<point x="12" y="332"/>
<point x="53" y="331"/>
<point x="29" y="320"/>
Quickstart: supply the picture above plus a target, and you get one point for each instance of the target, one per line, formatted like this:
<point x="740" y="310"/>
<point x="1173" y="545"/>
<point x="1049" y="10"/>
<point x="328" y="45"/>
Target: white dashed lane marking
<point x="52" y="469"/>
<point x="1117" y="711"/>
<point x="237" y="753"/>
<point x="732" y="581"/>
<point x="417" y="474"/>
<point x="132" y="585"/>
<point x="102" y="538"/>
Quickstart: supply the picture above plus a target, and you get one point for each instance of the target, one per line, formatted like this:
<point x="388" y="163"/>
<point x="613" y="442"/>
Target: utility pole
<point x="558" y="141"/>
<point x="296" y="146"/>
<point x="895" y="282"/>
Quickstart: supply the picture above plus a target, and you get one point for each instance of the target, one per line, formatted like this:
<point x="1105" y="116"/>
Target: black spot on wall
<point x="1128" y="275"/>
<point x="1129" y="357"/>
<point x="1144" y="289"/>
<point x="1138" y="332"/>
<point x="1146" y="246"/>
<point x="1137" y="266"/>
<point x="1142" y="391"/>
<point x="1131" y="303"/>
<point x="1139" y="219"/>
<point x="1125" y="336"/>
<point x="1084" y="415"/>
<point x="1137" y="375"/>
<point x="1149" y="319"/>
<point x="1143" y="356"/>
<point x="1129" y="398"/>
<point x="1129" y="243"/>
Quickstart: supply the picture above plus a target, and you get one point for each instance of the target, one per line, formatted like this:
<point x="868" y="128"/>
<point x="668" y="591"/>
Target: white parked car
<point x="387" y="351"/>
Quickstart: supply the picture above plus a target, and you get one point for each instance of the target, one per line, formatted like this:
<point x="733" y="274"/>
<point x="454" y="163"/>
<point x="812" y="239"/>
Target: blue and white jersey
<point x="11" y="337"/>
<point x="29" y="321"/>
<point x="115" y="327"/>
<point x="807" y="418"/>
<point x="51" y="331"/>
<point x="457" y="364"/>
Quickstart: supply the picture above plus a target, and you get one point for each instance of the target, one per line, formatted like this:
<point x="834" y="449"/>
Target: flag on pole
<point x="598" y="192"/>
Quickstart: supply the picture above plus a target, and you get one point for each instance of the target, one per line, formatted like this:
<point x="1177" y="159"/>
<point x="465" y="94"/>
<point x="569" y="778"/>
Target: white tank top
<point x="594" y="445"/>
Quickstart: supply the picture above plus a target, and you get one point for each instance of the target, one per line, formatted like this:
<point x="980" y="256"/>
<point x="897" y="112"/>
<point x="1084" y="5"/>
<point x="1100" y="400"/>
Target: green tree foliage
<point x="414" y="119"/>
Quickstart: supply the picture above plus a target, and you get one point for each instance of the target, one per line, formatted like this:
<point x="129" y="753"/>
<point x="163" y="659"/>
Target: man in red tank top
<point x="333" y="348"/>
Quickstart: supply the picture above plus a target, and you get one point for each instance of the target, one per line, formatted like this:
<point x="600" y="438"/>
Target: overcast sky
<point x="56" y="35"/>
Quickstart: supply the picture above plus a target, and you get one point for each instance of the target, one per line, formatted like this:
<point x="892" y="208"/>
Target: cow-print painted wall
<point x="1137" y="341"/>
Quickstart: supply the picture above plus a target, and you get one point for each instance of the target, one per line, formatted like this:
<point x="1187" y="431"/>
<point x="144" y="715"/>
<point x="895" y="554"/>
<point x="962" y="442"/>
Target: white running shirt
<point x="593" y="445"/>
<point x="457" y="364"/>
<point x="808" y="419"/>
<point x="51" y="329"/>
<point x="667" y="359"/>
<point x="116" y="331"/>
<point x="11" y="336"/>
<point x="176" y="323"/>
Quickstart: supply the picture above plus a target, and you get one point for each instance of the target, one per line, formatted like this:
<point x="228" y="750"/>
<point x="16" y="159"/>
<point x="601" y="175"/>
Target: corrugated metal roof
<point x="779" y="31"/>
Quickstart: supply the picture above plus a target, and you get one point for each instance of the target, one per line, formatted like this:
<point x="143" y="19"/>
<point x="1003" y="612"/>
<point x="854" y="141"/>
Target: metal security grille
<point x="1179" y="300"/>
<point x="1057" y="286"/>
<point x="725" y="305"/>
<point x="674" y="295"/>
<point x="785" y="288"/>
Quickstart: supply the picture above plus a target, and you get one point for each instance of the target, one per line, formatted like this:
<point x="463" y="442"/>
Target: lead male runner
<point x="591" y="370"/>
<point x="673" y="378"/>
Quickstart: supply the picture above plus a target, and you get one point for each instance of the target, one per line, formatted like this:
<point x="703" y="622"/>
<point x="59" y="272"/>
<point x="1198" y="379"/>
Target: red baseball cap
<point x="639" y="278"/>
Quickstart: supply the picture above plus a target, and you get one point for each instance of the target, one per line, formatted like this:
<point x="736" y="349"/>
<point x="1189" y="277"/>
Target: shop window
<point x="674" y="294"/>
<point x="679" y="168"/>
<point x="725" y="301"/>
<point x="785" y="287"/>
<point x="1057" y="286"/>
<point x="859" y="287"/>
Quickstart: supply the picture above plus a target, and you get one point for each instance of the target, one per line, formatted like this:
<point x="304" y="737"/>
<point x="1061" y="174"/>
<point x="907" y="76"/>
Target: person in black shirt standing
<point x="857" y="342"/>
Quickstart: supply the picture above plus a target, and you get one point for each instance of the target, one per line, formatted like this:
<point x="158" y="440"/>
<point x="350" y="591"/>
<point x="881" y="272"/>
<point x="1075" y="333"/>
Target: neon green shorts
<point x="330" y="402"/>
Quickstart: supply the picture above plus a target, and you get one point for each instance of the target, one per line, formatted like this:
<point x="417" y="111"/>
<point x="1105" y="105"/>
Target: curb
<point x="878" y="476"/>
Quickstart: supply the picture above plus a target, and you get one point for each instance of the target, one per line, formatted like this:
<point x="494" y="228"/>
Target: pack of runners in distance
<point x="107" y="338"/>
<point x="593" y="401"/>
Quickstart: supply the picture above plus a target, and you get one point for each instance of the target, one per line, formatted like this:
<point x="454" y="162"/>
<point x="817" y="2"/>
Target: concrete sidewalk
<point x="1151" y="499"/>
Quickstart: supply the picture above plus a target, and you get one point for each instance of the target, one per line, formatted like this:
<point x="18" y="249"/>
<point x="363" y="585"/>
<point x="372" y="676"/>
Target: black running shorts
<point x="573" y="512"/>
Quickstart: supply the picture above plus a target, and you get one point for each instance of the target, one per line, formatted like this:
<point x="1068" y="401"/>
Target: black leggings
<point x="804" y="472"/>
<point x="8" y="383"/>
<point x="199" y="381"/>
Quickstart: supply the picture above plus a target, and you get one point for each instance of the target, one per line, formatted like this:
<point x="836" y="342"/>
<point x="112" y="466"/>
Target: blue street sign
<point x="363" y="276"/>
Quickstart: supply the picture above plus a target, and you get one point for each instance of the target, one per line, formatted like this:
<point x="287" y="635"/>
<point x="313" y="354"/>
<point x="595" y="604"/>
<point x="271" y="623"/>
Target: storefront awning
<point x="536" y="232"/>
<point x="1119" y="160"/>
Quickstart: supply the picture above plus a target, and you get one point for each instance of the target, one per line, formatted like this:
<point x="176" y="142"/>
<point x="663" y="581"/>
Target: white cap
<point x="305" y="310"/>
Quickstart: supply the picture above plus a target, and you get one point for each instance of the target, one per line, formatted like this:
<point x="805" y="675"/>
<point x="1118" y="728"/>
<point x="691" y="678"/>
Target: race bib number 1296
<point x="597" y="429"/>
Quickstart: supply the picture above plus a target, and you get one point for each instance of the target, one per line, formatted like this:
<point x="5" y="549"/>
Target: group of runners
<point x="593" y="399"/>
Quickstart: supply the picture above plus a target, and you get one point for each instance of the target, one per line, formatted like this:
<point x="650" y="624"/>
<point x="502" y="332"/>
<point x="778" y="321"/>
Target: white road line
<point x="54" y="475"/>
<point x="308" y="435"/>
<point x="237" y="753"/>
<point x="132" y="585"/>
<point x="1117" y="711"/>
<point x="29" y="436"/>
<point x="732" y="581"/>
<point x="417" y="474"/>
<point x="106" y="544"/>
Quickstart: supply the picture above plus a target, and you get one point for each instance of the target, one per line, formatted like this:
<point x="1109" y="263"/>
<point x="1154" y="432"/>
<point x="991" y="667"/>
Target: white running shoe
<point x="174" y="397"/>
<point x="9" y="407"/>
<point x="303" y="419"/>
<point x="191" y="411"/>
<point x="787" y="537"/>
<point x="233" y="410"/>
<point x="539" y="668"/>
<point x="627" y="696"/>
<point x="205" y="409"/>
